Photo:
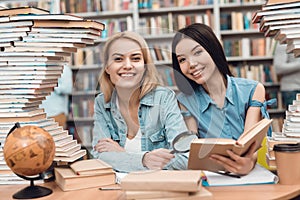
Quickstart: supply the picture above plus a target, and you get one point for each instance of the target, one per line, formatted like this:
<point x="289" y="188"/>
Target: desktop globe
<point x="29" y="150"/>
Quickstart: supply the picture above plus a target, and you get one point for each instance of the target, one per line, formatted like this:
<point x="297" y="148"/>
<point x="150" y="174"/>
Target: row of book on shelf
<point x="85" y="6"/>
<point x="167" y="23"/>
<point x="241" y="1"/>
<point x="156" y="25"/>
<point x="81" y="107"/>
<point x="87" y="56"/>
<point x="245" y="47"/>
<point x="72" y="6"/>
<point x="261" y="73"/>
<point x="289" y="133"/>
<point x="156" y="4"/>
<point x="237" y="21"/>
<point x="86" y="80"/>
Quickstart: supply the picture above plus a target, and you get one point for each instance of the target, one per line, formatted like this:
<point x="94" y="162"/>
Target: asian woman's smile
<point x="194" y="61"/>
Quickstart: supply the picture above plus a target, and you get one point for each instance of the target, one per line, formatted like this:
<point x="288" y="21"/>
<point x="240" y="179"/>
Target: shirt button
<point x="143" y="133"/>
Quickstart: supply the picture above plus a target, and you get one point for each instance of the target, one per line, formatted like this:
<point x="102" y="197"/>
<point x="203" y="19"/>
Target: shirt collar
<point x="147" y="100"/>
<point x="205" y="99"/>
<point x="229" y="90"/>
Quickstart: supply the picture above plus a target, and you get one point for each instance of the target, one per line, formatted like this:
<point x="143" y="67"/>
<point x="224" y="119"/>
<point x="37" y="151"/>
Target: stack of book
<point x="84" y="174"/>
<point x="280" y="19"/>
<point x="290" y="131"/>
<point x="34" y="47"/>
<point x="164" y="185"/>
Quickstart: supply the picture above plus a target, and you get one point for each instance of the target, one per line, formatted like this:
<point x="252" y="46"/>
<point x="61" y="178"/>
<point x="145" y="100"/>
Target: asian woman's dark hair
<point x="203" y="35"/>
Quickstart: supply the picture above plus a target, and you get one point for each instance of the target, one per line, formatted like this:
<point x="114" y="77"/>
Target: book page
<point x="257" y="133"/>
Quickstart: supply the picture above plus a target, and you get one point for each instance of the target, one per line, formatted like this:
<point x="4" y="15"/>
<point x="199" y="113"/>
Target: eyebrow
<point x="198" y="45"/>
<point x="119" y="54"/>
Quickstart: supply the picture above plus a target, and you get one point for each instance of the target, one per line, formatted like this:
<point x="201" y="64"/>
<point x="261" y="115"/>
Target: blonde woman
<point x="136" y="119"/>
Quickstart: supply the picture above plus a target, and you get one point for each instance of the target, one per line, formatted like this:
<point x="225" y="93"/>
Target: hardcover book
<point x="201" y="149"/>
<point x="71" y="158"/>
<point x="68" y="180"/>
<point x="163" y="180"/>
<point x="91" y="167"/>
<point x="76" y="24"/>
<point x="23" y="10"/>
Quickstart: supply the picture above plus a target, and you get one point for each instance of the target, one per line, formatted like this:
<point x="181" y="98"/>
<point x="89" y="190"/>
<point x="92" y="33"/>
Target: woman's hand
<point x="108" y="145"/>
<point x="157" y="158"/>
<point x="237" y="164"/>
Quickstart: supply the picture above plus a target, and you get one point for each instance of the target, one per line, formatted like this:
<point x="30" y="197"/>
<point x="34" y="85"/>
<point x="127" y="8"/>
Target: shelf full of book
<point x="158" y="21"/>
<point x="229" y="20"/>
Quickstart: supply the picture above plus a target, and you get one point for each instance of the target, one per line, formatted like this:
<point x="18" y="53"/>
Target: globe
<point x="29" y="150"/>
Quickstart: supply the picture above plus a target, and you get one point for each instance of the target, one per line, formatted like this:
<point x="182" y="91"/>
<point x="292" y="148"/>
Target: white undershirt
<point x="134" y="144"/>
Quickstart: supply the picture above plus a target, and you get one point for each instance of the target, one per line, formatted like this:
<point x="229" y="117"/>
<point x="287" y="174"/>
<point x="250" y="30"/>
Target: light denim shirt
<point x="160" y="122"/>
<point x="226" y="122"/>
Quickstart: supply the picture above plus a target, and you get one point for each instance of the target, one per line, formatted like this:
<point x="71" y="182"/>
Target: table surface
<point x="268" y="191"/>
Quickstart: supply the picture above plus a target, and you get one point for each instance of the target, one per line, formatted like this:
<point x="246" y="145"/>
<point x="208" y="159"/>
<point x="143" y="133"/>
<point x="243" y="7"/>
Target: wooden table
<point x="252" y="192"/>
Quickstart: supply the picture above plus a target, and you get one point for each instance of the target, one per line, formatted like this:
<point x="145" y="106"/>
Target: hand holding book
<point x="235" y="164"/>
<point x="202" y="149"/>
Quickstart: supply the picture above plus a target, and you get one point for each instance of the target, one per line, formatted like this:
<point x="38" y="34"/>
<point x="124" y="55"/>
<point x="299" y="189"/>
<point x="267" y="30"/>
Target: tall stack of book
<point x="164" y="185"/>
<point x="280" y="19"/>
<point x="35" y="45"/>
<point x="290" y="131"/>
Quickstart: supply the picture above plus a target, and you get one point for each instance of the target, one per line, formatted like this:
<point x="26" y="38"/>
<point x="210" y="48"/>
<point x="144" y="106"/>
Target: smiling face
<point x="125" y="64"/>
<point x="194" y="61"/>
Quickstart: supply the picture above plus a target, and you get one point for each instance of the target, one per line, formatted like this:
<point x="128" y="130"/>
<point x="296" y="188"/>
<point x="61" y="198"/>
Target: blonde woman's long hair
<point x="150" y="78"/>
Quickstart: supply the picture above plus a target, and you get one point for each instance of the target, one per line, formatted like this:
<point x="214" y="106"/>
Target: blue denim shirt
<point x="226" y="122"/>
<point x="160" y="122"/>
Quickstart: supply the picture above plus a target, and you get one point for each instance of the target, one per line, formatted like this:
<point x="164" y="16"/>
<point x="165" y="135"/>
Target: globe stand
<point x="32" y="191"/>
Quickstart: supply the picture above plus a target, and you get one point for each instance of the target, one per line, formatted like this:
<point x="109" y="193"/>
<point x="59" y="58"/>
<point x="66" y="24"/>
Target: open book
<point x="201" y="149"/>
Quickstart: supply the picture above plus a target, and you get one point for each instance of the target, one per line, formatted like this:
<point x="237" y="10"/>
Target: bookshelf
<point x="165" y="17"/>
<point x="249" y="62"/>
